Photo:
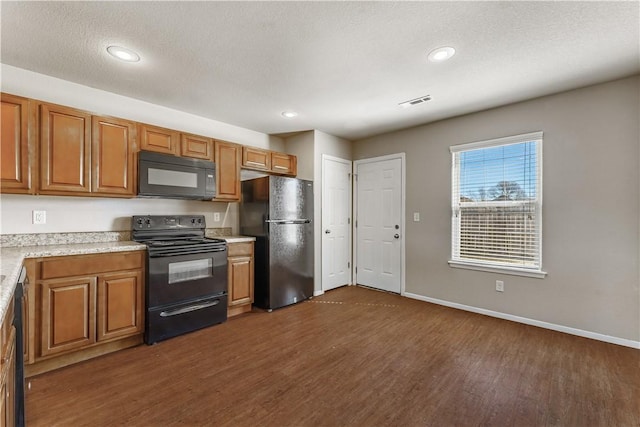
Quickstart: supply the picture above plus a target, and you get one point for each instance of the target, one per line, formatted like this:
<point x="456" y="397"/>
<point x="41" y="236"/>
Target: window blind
<point x="497" y="202"/>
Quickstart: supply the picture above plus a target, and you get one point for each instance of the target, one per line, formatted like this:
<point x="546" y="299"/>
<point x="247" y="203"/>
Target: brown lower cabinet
<point x="83" y="306"/>
<point x="8" y="368"/>
<point x="240" y="270"/>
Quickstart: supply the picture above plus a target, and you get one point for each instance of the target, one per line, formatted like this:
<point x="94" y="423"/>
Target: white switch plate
<point x="39" y="217"/>
<point x="416" y="217"/>
<point x="499" y="286"/>
<point x="216" y="216"/>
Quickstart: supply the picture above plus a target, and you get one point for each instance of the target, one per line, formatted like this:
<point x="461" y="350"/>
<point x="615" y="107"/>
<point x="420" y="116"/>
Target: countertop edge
<point x="12" y="259"/>
<point x="238" y="239"/>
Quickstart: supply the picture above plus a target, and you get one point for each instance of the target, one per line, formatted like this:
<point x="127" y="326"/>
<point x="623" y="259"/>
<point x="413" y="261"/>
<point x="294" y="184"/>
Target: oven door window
<point x="190" y="270"/>
<point x="173" y="178"/>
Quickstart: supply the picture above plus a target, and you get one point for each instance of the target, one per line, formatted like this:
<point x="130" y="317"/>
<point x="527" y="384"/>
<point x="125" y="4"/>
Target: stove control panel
<point x="168" y="222"/>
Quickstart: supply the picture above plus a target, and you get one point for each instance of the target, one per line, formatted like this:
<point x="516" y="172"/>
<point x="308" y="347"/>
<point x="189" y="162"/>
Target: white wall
<point x="301" y="145"/>
<point x="69" y="214"/>
<point x="74" y="214"/>
<point x="591" y="163"/>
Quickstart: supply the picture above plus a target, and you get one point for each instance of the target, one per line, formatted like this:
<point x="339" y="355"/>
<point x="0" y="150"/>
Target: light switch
<point x="416" y="217"/>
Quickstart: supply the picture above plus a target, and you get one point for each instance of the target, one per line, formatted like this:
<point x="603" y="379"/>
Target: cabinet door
<point x="198" y="147"/>
<point x="120" y="305"/>
<point x="65" y="137"/>
<point x="9" y="389"/>
<point x="17" y="145"/>
<point x="285" y="164"/>
<point x="112" y="156"/>
<point x="227" y="158"/>
<point x="240" y="271"/>
<point x="158" y="139"/>
<point x="255" y="158"/>
<point x="68" y="313"/>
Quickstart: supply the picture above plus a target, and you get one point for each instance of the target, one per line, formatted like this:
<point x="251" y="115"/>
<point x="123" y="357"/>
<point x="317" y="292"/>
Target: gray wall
<point x="591" y="189"/>
<point x="309" y="146"/>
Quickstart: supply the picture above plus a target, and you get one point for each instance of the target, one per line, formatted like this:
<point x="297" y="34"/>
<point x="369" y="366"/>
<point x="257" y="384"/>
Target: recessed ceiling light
<point x="289" y="114"/>
<point x="441" y="54"/>
<point x="123" y="54"/>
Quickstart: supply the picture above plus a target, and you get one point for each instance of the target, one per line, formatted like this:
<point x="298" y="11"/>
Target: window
<point x="497" y="205"/>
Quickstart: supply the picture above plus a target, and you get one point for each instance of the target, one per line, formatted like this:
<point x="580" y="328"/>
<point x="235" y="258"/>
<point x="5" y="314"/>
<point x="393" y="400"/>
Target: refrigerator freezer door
<point x="290" y="198"/>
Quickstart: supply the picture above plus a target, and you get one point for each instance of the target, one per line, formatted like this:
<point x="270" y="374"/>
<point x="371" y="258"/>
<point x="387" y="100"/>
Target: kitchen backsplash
<point x="37" y="239"/>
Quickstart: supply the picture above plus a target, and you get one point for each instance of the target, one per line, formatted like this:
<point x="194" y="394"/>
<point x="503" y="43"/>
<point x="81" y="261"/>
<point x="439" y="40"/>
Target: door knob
<point x="396" y="236"/>
<point x="327" y="231"/>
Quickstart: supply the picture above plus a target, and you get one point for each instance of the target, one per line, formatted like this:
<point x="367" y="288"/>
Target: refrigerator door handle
<point x="288" y="221"/>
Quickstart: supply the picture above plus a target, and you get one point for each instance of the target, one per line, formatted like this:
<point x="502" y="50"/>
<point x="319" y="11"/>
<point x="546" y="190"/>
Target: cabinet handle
<point x="280" y="167"/>
<point x="249" y="162"/>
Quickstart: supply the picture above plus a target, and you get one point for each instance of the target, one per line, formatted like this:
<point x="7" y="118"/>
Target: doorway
<point x="336" y="222"/>
<point x="379" y="222"/>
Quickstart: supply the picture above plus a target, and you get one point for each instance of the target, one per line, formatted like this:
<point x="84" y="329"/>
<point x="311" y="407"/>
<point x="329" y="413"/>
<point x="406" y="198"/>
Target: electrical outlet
<point x="39" y="217"/>
<point x="499" y="286"/>
<point x="216" y="216"/>
<point x="416" y="217"/>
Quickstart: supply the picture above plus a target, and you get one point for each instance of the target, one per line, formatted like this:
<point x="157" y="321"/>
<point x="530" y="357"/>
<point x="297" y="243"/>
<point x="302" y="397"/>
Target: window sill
<point x="503" y="270"/>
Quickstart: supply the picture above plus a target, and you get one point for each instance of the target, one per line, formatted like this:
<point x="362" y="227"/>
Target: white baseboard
<point x="318" y="293"/>
<point x="573" y="331"/>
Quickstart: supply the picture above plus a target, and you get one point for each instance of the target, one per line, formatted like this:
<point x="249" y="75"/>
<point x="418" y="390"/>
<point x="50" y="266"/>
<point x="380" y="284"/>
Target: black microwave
<point x="163" y="175"/>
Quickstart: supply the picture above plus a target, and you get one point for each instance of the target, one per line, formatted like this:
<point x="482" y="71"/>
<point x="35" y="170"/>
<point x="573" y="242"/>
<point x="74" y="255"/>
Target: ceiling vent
<point x="416" y="101"/>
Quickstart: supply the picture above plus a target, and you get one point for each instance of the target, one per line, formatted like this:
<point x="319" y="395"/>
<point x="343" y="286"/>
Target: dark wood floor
<point x="353" y="356"/>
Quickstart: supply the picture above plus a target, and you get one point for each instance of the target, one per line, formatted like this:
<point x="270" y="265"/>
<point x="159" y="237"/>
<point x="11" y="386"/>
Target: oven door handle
<point x="189" y="309"/>
<point x="157" y="253"/>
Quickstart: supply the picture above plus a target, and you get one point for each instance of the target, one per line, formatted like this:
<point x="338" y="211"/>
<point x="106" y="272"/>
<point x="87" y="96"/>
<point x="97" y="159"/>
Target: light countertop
<point x="238" y="239"/>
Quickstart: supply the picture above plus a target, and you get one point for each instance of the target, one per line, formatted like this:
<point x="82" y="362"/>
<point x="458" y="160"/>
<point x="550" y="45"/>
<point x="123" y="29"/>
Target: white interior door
<point x="336" y="222"/>
<point x="380" y="223"/>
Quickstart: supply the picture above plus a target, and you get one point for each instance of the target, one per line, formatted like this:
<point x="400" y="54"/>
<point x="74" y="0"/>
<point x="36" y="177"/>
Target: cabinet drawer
<point x="79" y="265"/>
<point x="239" y="249"/>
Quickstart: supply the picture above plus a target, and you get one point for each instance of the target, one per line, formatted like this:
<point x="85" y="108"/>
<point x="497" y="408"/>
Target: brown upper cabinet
<point x="17" y="155"/>
<point x="228" y="157"/>
<point x="285" y="164"/>
<point x="195" y="146"/>
<point x="112" y="156"/>
<point x="58" y="150"/>
<point x="269" y="161"/>
<point x="256" y="158"/>
<point x="64" y="150"/>
<point x="81" y="153"/>
<point x="160" y="140"/>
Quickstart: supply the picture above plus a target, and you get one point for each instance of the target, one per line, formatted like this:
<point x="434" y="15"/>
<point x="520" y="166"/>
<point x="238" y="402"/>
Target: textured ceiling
<point x="343" y="66"/>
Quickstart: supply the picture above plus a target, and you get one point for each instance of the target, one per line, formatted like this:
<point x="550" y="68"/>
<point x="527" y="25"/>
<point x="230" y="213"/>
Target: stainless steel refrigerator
<point x="278" y="212"/>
